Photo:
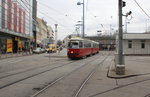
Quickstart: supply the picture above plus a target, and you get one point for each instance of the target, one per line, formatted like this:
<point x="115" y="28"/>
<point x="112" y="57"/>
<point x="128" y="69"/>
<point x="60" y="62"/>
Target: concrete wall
<point x="136" y="47"/>
<point x="136" y="36"/>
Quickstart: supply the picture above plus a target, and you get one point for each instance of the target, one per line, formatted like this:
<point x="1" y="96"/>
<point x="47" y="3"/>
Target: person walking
<point x="58" y="50"/>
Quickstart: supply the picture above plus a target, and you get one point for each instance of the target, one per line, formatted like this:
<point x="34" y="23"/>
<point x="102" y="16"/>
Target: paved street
<point x="74" y="48"/>
<point x="54" y="75"/>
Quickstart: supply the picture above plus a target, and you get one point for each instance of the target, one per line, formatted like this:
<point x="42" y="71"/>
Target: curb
<point x="111" y="73"/>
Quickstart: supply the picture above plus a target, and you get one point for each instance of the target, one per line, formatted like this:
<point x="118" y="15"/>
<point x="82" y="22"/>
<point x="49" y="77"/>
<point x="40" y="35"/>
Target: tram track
<point x="34" y="68"/>
<point x="6" y="85"/>
<point x="64" y="76"/>
<point x="88" y="77"/>
<point x="14" y="64"/>
<point x="122" y="86"/>
<point x="30" y="76"/>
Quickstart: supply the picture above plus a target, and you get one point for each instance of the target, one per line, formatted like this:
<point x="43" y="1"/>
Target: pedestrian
<point x="58" y="50"/>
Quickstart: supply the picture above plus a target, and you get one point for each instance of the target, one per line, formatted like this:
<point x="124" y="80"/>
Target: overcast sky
<point x="99" y="15"/>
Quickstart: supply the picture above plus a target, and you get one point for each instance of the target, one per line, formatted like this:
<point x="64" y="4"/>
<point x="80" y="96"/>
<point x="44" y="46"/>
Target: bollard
<point x="120" y="69"/>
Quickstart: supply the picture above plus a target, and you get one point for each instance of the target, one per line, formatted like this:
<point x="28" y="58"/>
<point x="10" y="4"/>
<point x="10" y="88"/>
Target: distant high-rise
<point x="34" y="27"/>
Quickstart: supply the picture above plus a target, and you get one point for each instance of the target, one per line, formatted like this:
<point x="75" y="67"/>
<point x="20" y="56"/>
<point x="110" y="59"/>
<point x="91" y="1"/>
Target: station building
<point x="135" y="43"/>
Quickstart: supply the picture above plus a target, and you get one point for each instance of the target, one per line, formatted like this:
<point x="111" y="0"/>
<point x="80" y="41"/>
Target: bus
<point x="52" y="48"/>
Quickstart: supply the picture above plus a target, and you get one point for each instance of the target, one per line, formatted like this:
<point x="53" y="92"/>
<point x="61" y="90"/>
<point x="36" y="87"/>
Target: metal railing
<point x="18" y="54"/>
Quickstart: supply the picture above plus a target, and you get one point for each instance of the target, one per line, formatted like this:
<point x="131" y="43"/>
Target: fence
<point x="18" y="54"/>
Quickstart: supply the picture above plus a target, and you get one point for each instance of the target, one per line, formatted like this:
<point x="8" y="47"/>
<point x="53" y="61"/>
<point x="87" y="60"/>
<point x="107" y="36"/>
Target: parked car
<point x="37" y="51"/>
<point x="43" y="50"/>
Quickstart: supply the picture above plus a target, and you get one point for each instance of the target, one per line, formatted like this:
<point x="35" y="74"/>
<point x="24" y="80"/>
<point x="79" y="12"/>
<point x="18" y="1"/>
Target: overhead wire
<point x="60" y="13"/>
<point x="55" y="21"/>
<point x="142" y="9"/>
<point x="50" y="8"/>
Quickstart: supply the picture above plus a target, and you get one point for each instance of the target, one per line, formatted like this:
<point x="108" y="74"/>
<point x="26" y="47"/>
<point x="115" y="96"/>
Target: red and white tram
<point x="79" y="47"/>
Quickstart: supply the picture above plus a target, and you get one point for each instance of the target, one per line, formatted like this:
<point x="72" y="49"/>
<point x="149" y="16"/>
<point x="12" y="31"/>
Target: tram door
<point x="15" y="46"/>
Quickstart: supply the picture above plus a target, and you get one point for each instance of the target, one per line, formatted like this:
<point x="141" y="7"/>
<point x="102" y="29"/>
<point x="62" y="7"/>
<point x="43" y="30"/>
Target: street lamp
<point x="83" y="30"/>
<point x="79" y="26"/>
<point x="56" y="33"/>
<point x="127" y="14"/>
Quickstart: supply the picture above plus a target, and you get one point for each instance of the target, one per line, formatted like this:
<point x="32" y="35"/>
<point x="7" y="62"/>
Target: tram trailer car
<point x="80" y="48"/>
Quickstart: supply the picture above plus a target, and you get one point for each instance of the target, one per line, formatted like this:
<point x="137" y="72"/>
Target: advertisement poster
<point x="20" y="44"/>
<point x="9" y="45"/>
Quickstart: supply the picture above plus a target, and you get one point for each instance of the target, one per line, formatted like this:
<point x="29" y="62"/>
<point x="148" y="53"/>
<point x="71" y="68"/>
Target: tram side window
<point x="87" y="45"/>
<point x="80" y="44"/>
<point x="97" y="45"/>
<point x="94" y="45"/>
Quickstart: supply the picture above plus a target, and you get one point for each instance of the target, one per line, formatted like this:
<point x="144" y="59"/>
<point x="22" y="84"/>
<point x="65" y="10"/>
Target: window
<point x="87" y="45"/>
<point x="129" y="43"/>
<point x="80" y="44"/>
<point x="73" y="45"/>
<point x="142" y="43"/>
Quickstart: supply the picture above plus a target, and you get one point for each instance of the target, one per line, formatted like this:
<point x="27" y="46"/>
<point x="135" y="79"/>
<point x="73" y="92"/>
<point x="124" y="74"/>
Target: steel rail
<point x="27" y="70"/>
<point x="14" y="82"/>
<point x="60" y="78"/>
<point x="11" y="83"/>
<point x="88" y="77"/>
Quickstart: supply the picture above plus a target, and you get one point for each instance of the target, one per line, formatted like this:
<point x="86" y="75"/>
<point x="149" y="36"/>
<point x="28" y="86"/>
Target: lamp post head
<point x="99" y="31"/>
<point x="130" y="12"/>
<point x="79" y="3"/>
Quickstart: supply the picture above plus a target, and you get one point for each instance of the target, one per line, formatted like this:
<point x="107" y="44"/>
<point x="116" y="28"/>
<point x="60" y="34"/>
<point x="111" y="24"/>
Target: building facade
<point x="136" y="44"/>
<point x="15" y="25"/>
<point x="34" y="23"/>
<point x="45" y="34"/>
<point x="105" y="42"/>
<point x="50" y="33"/>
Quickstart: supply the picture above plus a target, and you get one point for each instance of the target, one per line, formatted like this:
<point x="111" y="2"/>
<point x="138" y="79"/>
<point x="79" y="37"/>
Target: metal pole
<point x="126" y="24"/>
<point x="120" y="34"/>
<point x="56" y="33"/>
<point x="83" y="21"/>
<point x="120" y="66"/>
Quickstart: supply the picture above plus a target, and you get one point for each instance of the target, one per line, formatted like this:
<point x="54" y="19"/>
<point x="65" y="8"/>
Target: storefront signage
<point x="20" y="44"/>
<point x="9" y="45"/>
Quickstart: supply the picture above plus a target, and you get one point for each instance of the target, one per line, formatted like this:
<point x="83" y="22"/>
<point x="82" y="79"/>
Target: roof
<point x="136" y="36"/>
<point x="76" y="38"/>
<point x="81" y="39"/>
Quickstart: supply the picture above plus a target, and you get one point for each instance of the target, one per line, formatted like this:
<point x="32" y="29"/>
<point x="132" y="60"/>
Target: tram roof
<point x="77" y="38"/>
<point x="82" y="39"/>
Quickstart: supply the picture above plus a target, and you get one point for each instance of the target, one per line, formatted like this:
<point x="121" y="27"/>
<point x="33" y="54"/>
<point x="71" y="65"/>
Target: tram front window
<point x="73" y="45"/>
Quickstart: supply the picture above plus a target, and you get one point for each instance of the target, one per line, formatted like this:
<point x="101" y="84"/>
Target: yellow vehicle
<point x="52" y="48"/>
